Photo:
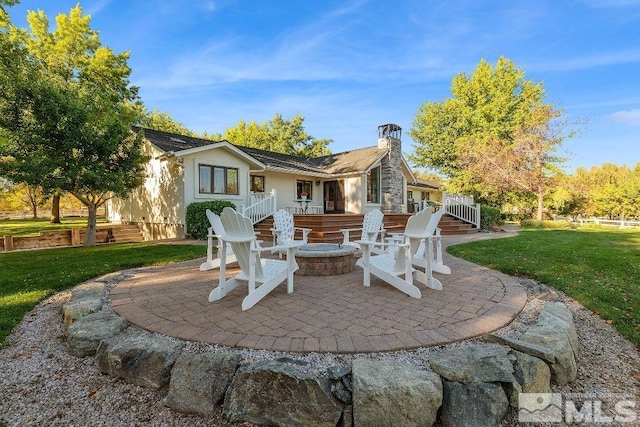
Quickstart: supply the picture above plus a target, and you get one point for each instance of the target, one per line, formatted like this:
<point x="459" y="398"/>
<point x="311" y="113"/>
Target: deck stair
<point x="326" y="228"/>
<point x="449" y="225"/>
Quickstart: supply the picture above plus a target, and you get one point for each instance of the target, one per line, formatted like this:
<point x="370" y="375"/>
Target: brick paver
<point x="323" y="314"/>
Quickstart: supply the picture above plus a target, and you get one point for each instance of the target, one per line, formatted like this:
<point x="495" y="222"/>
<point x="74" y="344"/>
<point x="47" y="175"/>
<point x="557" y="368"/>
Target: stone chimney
<point x="391" y="168"/>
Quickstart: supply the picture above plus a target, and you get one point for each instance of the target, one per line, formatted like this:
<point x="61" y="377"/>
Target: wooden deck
<point x="326" y="227"/>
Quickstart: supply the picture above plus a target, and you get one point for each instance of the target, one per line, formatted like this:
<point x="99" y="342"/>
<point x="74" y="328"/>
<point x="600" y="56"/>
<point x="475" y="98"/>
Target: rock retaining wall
<point x="464" y="385"/>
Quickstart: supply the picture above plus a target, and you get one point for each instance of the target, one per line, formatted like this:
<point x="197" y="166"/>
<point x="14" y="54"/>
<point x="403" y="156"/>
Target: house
<point x="422" y="193"/>
<point x="183" y="170"/>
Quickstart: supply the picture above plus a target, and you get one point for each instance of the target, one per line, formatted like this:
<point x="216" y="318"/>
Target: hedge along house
<point x="183" y="170"/>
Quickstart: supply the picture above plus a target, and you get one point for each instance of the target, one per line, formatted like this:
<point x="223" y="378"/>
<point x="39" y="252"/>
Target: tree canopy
<point x="608" y="190"/>
<point x="67" y="112"/>
<point x="159" y="120"/>
<point x="278" y="135"/>
<point x="495" y="134"/>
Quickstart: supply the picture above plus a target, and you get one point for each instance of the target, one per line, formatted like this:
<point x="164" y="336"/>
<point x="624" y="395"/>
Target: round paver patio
<point x="324" y="314"/>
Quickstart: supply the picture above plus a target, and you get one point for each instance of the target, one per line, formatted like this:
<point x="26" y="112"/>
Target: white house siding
<point x="354" y="196"/>
<point x="157" y="206"/>
<point x="215" y="157"/>
<point x="285" y="186"/>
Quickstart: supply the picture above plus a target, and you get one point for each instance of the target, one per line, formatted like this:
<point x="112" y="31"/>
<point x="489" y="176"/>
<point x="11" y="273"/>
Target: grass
<point x="27" y="227"/>
<point x="598" y="268"/>
<point x="28" y="277"/>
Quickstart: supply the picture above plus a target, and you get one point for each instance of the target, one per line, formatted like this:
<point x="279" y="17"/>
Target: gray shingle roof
<point x="353" y="161"/>
<point x="172" y="141"/>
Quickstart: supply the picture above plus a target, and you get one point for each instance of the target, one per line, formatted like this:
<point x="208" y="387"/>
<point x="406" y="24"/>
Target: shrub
<point x="489" y="216"/>
<point x="532" y="223"/>
<point x="197" y="221"/>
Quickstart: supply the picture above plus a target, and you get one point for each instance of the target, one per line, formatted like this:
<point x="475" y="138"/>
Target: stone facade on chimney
<point x="392" y="183"/>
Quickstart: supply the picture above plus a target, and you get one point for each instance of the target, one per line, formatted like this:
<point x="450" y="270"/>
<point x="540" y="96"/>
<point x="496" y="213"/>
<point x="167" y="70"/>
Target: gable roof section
<point x="181" y="145"/>
<point x="425" y="185"/>
<point x="354" y="161"/>
<point x="172" y="142"/>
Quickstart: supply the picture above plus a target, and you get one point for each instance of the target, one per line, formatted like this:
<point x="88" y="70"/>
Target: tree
<point x="70" y="129"/>
<point x="430" y="177"/>
<point x="32" y="196"/>
<point x="607" y="190"/>
<point x="493" y="136"/>
<point x="524" y="164"/>
<point x="161" y="121"/>
<point x="278" y="135"/>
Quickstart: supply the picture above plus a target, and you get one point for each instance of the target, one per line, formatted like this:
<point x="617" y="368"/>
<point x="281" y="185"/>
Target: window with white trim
<point x="218" y="180"/>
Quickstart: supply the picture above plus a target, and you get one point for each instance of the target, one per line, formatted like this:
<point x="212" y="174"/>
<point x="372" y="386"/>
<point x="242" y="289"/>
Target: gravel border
<point x="42" y="385"/>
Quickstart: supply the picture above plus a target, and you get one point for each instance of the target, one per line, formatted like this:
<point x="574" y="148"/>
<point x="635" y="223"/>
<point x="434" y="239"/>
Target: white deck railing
<point x="261" y="206"/>
<point x="462" y="207"/>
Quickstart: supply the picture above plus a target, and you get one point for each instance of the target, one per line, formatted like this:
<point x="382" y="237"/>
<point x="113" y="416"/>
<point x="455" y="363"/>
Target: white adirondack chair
<point x="262" y="275"/>
<point x="215" y="231"/>
<point x="283" y="230"/>
<point x="371" y="229"/>
<point x="429" y="253"/>
<point x="396" y="265"/>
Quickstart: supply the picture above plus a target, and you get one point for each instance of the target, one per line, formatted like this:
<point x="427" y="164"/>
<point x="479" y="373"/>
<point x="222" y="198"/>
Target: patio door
<point x="334" y="196"/>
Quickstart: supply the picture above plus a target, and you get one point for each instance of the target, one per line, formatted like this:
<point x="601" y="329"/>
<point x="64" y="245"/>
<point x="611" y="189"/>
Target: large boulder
<point x="532" y="374"/>
<point x="474" y="363"/>
<point x="85" y="334"/>
<point x="277" y="393"/>
<point x="393" y="393"/>
<point x="200" y="380"/>
<point x="473" y="404"/>
<point x="138" y="357"/>
<point x="77" y="308"/>
<point x="89" y="290"/>
<point x="554" y="312"/>
<point x="555" y="330"/>
<point x="340" y="380"/>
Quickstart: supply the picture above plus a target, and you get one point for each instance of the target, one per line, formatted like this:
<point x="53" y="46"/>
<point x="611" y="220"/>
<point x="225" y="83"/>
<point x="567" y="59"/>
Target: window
<point x="303" y="188"/>
<point x="218" y="180"/>
<point x="373" y="185"/>
<point x="257" y="183"/>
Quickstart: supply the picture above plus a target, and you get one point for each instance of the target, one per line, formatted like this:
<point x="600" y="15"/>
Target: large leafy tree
<point x="526" y="164"/>
<point x="67" y="112"/>
<point x="496" y="113"/>
<point x="278" y="135"/>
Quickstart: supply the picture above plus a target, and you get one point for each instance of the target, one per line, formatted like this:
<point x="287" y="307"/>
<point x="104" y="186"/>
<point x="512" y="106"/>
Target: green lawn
<point x="600" y="268"/>
<point x="26" y="227"/>
<point x="28" y="277"/>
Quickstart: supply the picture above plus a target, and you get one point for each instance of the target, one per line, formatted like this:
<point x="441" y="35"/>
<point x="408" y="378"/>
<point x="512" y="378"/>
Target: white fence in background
<point x="602" y="221"/>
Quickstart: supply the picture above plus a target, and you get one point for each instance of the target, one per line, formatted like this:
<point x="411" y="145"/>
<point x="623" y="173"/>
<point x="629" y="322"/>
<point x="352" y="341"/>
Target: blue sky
<point x="349" y="66"/>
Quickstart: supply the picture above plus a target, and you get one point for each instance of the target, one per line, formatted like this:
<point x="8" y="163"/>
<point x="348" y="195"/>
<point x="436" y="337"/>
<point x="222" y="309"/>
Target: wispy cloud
<point x="588" y="61"/>
<point x="297" y="53"/>
<point x="330" y="48"/>
<point x="96" y="7"/>
<point x="629" y="117"/>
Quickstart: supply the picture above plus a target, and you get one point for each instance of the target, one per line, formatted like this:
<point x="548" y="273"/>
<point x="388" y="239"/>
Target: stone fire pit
<point x="325" y="259"/>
